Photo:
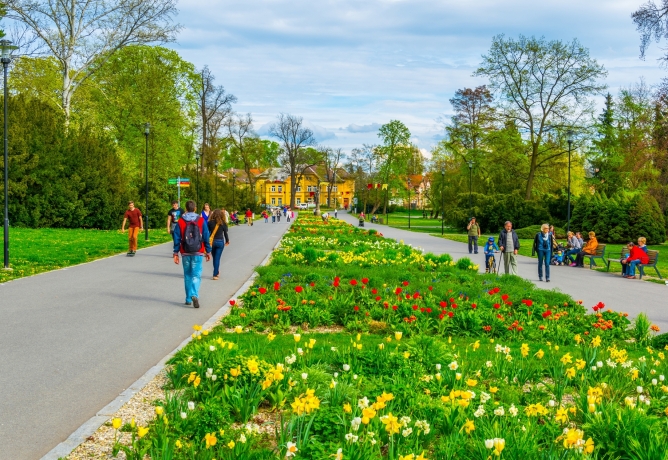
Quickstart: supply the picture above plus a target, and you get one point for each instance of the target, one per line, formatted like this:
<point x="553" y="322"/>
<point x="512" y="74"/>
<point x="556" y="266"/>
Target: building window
<point x="299" y="189"/>
<point x="280" y="202"/>
<point x="273" y="201"/>
<point x="273" y="188"/>
<point x="335" y="188"/>
<point x="299" y="201"/>
<point x="280" y="188"/>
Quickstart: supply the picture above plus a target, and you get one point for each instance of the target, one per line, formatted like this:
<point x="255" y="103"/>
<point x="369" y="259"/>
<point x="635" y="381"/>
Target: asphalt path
<point x="73" y="339"/>
<point x="590" y="286"/>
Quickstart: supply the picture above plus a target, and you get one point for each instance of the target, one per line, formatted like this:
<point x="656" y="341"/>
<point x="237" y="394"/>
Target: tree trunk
<point x="532" y="169"/>
<point x="67" y="94"/>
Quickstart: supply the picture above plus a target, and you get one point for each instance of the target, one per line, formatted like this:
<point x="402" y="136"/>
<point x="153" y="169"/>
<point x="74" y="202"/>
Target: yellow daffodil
<point x="391" y="422"/>
<point x="493" y="390"/>
<point x="271" y="336"/>
<point x="407" y="355"/>
<point x="141" y="431"/>
<point x="238" y="329"/>
<point x="476" y="345"/>
<point x="197" y="327"/>
<point x="210" y="440"/>
<point x="159" y="410"/>
<point x="524" y="349"/>
<point x="236" y="371"/>
<point x="580" y="364"/>
<point x="562" y="415"/>
<point x="596" y="341"/>
<point x="231" y="444"/>
<point x="570" y="372"/>
<point x="253" y="366"/>
<point x="566" y="359"/>
<point x="178" y="444"/>
<point x="468" y="426"/>
<point x="407" y="457"/>
<point x="471" y="382"/>
<point x="421" y="457"/>
<point x="539" y="354"/>
<point x="116" y="423"/>
<point x="347" y="408"/>
<point x="197" y="381"/>
<point x="368" y="413"/>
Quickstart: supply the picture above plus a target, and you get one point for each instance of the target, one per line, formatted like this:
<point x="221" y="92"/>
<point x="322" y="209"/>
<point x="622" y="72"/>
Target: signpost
<point x="179" y="182"/>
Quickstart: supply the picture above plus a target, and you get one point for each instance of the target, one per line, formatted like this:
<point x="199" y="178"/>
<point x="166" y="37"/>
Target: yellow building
<point x="273" y="187"/>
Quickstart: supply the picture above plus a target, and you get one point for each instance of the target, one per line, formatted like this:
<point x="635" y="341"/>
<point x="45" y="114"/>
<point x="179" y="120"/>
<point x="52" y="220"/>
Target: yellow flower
<point x="141" y="431"/>
<point x="178" y="444"/>
<point x="311" y="342"/>
<point x="197" y="381"/>
<point x="297" y="337"/>
<point x="381" y="346"/>
<point x="524" y="349"/>
<point x="392" y="425"/>
<point x="666" y="411"/>
<point x="253" y="366"/>
<point x="238" y="329"/>
<point x="398" y="335"/>
<point x="306" y="403"/>
<point x="421" y="457"/>
<point x="562" y="415"/>
<point x="539" y="354"/>
<point x="476" y="345"/>
<point x="596" y="341"/>
<point x="159" y="410"/>
<point x="197" y="327"/>
<point x="580" y="364"/>
<point x="231" y="444"/>
<point x="347" y="408"/>
<point x="407" y="457"/>
<point x="471" y="382"/>
<point x="367" y="414"/>
<point x="570" y="372"/>
<point x="210" y="439"/>
<point x="407" y="355"/>
<point x="589" y="446"/>
<point x="132" y="422"/>
<point x="566" y="359"/>
<point x="192" y="377"/>
<point x="271" y="336"/>
<point x="236" y="371"/>
<point x="469" y="426"/>
<point x="578" y="338"/>
<point x="116" y="423"/>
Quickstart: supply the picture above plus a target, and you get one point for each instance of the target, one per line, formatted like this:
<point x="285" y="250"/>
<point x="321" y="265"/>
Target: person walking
<point x="288" y="214"/>
<point x="292" y="214"/>
<point x="136" y="224"/>
<point x="473" y="230"/>
<point x="206" y="212"/>
<point x="173" y="217"/>
<point x="509" y="245"/>
<point x="542" y="244"/>
<point x="273" y="216"/>
<point x="336" y="214"/>
<point x="191" y="242"/>
<point x="278" y="215"/>
<point x="249" y="217"/>
<point x="219" y="238"/>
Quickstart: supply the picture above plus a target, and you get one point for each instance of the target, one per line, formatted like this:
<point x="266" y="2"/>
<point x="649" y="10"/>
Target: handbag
<point x="215" y="229"/>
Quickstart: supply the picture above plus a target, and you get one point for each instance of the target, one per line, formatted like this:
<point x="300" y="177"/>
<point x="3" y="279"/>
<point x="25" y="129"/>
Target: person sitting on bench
<point x="589" y="249"/>
<point x="636" y="256"/>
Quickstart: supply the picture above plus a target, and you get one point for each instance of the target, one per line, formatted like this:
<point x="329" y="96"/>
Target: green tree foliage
<point x="59" y="178"/>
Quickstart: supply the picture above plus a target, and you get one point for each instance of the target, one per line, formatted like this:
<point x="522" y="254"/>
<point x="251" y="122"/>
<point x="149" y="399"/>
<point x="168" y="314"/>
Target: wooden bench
<point x="599" y="254"/>
<point x="653" y="260"/>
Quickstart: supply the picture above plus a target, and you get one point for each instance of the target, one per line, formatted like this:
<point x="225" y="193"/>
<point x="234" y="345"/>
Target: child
<point x="489" y="249"/>
<point x="558" y="256"/>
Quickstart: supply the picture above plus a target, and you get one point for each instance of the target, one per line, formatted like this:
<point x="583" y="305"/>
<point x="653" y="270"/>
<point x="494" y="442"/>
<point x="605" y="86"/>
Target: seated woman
<point x="574" y="246"/>
<point x="636" y="256"/>
<point x="642" y="243"/>
<point x="588" y="249"/>
<point x="374" y="219"/>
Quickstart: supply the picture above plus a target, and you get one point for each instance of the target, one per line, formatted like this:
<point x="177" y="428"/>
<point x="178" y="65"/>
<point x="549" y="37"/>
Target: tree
<point x="215" y="108"/>
<point x="331" y="159"/>
<point x="651" y="21"/>
<point x="295" y="157"/>
<point x="82" y="36"/>
<point x="394" y="154"/>
<point x="246" y="147"/>
<point x="474" y="116"/>
<point x="544" y="87"/>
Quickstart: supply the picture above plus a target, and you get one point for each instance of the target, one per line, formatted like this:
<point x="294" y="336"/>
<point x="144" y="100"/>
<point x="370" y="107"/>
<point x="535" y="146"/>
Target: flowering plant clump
<point x="429" y="361"/>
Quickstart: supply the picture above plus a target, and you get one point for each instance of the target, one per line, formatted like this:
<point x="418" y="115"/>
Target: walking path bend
<point x="73" y="339"/>
<point x="590" y="286"/>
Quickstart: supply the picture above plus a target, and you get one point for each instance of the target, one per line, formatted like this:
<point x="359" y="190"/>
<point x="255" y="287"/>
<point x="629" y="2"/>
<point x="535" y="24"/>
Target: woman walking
<point x="542" y="244"/>
<point x="219" y="239"/>
<point x="206" y="212"/>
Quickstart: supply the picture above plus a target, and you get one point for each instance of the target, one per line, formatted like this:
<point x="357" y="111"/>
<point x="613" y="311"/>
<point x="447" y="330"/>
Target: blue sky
<point x="348" y="66"/>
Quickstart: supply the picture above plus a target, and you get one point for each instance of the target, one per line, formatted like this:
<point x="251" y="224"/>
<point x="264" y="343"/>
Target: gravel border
<point x="139" y="395"/>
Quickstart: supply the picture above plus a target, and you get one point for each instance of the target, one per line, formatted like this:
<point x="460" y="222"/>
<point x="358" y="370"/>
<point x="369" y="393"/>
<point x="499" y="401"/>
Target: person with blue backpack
<point x="191" y="242"/>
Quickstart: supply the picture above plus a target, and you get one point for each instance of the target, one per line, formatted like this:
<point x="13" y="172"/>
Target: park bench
<point x="653" y="260"/>
<point x="599" y="254"/>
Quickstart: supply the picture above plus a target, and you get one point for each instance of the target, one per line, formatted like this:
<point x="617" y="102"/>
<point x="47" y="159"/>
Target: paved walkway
<point x="590" y="286"/>
<point x="74" y="339"/>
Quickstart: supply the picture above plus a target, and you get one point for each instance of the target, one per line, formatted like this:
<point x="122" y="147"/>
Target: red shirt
<point x="249" y="213"/>
<point x="134" y="217"/>
<point x="638" y="254"/>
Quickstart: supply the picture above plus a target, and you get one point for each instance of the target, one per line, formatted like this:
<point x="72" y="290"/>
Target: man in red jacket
<point x="636" y="256"/>
<point x="249" y="217"/>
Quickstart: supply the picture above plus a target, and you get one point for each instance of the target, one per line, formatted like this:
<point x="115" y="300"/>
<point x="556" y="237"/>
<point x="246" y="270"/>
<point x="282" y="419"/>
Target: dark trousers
<point x="544" y="259"/>
<point x="570" y="253"/>
<point x="579" y="259"/>
<point x="216" y="252"/>
<point x="473" y="244"/>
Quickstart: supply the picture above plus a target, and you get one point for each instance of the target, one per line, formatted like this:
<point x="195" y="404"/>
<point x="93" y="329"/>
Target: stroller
<point x="361" y="217"/>
<point x="558" y="255"/>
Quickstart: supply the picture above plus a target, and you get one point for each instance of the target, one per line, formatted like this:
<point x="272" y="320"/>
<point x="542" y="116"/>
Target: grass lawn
<point x="33" y="251"/>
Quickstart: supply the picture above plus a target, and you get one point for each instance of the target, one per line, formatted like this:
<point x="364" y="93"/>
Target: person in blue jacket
<point x="489" y="249"/>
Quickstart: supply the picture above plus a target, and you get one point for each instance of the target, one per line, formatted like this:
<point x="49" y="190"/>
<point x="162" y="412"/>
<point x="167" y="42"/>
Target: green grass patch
<point x="34" y="251"/>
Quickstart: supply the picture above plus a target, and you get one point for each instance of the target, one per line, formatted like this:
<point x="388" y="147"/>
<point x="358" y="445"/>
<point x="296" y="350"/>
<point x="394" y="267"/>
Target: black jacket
<point x="221" y="233"/>
<point x="503" y="236"/>
<point x="537" y="241"/>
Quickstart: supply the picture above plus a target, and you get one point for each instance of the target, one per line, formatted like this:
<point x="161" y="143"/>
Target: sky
<point x="347" y="67"/>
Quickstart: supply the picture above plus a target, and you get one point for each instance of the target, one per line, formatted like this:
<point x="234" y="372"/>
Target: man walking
<point x="191" y="241"/>
<point x="136" y="224"/>
<point x="173" y="217"/>
<point x="474" y="233"/>
<point x="336" y="214"/>
<point x="509" y="244"/>
<point x="249" y="217"/>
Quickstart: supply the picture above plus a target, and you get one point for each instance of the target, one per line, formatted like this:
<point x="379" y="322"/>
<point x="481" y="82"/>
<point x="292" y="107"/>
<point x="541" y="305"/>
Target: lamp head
<point x="197" y="155"/>
<point x="443" y="172"/>
<point x="470" y="162"/>
<point x="569" y="136"/>
<point x="147" y="128"/>
<point x="7" y="48"/>
<point x="216" y="163"/>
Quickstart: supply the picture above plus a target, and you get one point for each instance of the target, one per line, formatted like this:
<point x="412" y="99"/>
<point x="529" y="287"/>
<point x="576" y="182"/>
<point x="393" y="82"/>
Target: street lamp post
<point x="197" y="157"/>
<point x="442" y="201"/>
<point x="215" y="184"/>
<point x="7" y="48"/>
<point x="409" y="204"/>
<point x="570" y="144"/>
<point x="147" y="128"/>
<point x="470" y="163"/>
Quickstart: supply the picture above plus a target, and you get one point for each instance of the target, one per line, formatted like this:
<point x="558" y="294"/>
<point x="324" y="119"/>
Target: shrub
<point x="530" y="232"/>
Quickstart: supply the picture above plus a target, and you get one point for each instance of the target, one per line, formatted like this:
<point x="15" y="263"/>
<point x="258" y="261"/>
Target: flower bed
<point x="435" y="361"/>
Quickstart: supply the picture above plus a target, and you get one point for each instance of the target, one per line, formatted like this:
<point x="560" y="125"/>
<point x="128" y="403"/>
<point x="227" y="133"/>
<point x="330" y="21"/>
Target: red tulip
<point x="443" y="304"/>
<point x="431" y="288"/>
<point x="356" y="308"/>
<point x="405" y="283"/>
<point x="374" y="291"/>
<point x="262" y="290"/>
<point x="415" y="307"/>
<point x="397" y="291"/>
<point x="299" y="289"/>
<point x="353" y="282"/>
<point x="473" y="305"/>
<point x="233" y="302"/>
<point x="497" y="306"/>
<point x="394" y="307"/>
<point x="277" y="286"/>
<point x="504" y="297"/>
<point x="365" y="280"/>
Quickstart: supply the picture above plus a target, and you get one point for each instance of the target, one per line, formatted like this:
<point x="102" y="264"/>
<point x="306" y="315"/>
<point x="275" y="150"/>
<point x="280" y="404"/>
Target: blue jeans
<point x="192" y="275"/>
<point x="569" y="253"/>
<point x="631" y="267"/>
<point x="544" y="259"/>
<point x="216" y="252"/>
<point x="473" y="243"/>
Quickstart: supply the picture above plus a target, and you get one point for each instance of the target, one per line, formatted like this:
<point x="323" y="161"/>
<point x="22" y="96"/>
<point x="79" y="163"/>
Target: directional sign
<point x="182" y="180"/>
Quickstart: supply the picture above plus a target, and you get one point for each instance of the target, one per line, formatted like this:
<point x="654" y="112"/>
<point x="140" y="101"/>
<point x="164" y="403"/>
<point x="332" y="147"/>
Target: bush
<point x="530" y="232"/>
